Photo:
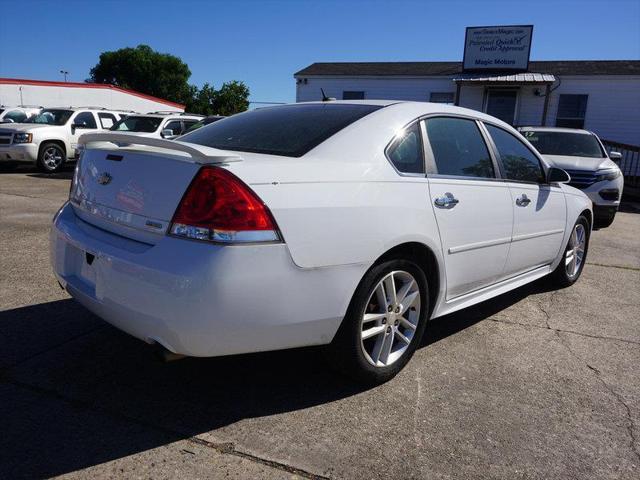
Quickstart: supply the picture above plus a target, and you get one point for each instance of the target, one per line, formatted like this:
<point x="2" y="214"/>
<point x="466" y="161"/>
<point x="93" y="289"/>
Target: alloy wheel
<point x="575" y="253"/>
<point x="52" y="158"/>
<point x="390" y="319"/>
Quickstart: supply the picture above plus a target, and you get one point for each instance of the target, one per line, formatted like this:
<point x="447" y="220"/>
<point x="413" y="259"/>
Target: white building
<point x="602" y="96"/>
<point x="16" y="92"/>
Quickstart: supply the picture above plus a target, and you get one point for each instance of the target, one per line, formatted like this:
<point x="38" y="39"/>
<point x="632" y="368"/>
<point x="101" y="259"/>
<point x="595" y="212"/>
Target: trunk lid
<point x="134" y="191"/>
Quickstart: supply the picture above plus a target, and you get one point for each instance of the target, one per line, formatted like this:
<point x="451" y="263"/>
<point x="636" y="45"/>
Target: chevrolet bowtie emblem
<point x="104" y="178"/>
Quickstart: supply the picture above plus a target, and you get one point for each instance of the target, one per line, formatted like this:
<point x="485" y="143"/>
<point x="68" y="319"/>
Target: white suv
<point x="50" y="138"/>
<point x="167" y="125"/>
<point x="17" y="114"/>
<point x="585" y="159"/>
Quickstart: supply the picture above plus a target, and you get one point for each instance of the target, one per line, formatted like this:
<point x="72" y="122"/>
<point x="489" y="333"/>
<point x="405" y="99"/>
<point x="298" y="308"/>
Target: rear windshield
<point x="137" y="124"/>
<point x="565" y="143"/>
<point x="289" y="130"/>
<point x="51" y="117"/>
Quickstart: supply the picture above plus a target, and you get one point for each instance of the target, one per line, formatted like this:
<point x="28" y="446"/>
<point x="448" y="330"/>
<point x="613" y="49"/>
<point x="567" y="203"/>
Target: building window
<point x="571" y="111"/>
<point x="352" y="95"/>
<point x="442" y="97"/>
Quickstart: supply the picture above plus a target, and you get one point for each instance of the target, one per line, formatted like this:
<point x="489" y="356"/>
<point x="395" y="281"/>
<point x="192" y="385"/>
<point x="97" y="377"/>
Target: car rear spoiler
<point x="198" y="153"/>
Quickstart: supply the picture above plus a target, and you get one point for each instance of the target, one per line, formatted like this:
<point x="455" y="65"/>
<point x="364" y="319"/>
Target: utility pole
<point x="65" y="73"/>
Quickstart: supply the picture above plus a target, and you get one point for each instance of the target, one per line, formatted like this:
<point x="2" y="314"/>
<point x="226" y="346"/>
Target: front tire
<point x="575" y="255"/>
<point x="51" y="157"/>
<point x="384" y="324"/>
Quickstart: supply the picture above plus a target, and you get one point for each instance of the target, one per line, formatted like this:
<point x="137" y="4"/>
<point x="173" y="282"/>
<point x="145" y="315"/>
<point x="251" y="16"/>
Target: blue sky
<point x="264" y="42"/>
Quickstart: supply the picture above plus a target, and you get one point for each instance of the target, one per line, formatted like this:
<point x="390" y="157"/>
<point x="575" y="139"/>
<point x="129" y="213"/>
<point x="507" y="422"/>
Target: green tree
<point x="144" y="70"/>
<point x="166" y="76"/>
<point x="233" y="97"/>
<point x="201" y="101"/>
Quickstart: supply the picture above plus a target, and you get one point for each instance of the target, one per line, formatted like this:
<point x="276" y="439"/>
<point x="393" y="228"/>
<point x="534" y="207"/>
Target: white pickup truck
<point x="50" y="138"/>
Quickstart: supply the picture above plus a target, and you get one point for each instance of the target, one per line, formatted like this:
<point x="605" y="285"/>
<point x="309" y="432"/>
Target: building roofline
<point x="104" y="86"/>
<point x="446" y="69"/>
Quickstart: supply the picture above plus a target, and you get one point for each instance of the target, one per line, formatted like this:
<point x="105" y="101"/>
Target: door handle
<point x="446" y="201"/>
<point x="523" y="200"/>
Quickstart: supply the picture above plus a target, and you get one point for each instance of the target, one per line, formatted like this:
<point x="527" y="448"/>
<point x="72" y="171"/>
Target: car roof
<point x="175" y="116"/>
<point x="555" y="129"/>
<point x="424" y="108"/>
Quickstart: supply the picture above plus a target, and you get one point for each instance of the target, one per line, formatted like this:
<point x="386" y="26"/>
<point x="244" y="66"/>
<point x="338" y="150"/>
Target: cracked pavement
<point x="534" y="384"/>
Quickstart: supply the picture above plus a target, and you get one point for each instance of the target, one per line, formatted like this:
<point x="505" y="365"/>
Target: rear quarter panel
<point x="338" y="223"/>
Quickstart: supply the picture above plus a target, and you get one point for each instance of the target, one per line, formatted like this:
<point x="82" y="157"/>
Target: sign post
<point x="497" y="48"/>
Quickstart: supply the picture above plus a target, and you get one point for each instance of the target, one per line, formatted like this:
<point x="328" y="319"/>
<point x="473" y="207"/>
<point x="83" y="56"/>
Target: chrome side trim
<point x="477" y="245"/>
<point x="528" y="236"/>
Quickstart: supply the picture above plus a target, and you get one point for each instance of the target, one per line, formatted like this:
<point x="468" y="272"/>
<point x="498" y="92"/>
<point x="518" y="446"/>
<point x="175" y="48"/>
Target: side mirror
<point x="168" y="133"/>
<point x="615" y="156"/>
<point x="75" y="126"/>
<point x="557" y="175"/>
<point x="7" y="120"/>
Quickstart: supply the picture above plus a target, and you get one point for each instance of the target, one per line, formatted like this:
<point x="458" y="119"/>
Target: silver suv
<point x="167" y="125"/>
<point x="50" y="138"/>
<point x="585" y="159"/>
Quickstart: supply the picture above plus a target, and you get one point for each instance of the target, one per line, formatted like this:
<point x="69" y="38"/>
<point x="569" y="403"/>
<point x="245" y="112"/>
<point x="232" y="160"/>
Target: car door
<point x="539" y="210"/>
<point x="81" y="123"/>
<point x="471" y="204"/>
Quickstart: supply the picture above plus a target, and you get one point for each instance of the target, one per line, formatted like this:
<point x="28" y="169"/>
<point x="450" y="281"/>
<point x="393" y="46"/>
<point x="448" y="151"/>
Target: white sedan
<point x="345" y="224"/>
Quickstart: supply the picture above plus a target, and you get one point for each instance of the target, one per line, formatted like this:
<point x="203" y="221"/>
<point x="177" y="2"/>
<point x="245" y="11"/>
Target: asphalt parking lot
<point x="534" y="384"/>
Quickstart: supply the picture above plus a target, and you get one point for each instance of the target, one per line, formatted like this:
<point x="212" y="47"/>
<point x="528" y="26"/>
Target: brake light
<point x="219" y="207"/>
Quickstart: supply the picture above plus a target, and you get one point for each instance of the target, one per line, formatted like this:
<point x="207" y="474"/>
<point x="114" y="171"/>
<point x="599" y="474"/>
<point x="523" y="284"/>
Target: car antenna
<point x="325" y="98"/>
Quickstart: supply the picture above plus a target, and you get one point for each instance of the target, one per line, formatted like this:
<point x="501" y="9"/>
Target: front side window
<point x="518" y="161"/>
<point x="175" y="126"/>
<point x="288" y="130"/>
<point x="565" y="143"/>
<point x="50" y="116"/>
<point x="134" y="123"/>
<point x="458" y="148"/>
<point x="85" y="120"/>
<point x="571" y="111"/>
<point x="406" y="151"/>
<point x="352" y="95"/>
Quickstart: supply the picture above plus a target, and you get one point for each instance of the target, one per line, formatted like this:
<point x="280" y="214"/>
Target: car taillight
<point x="219" y="207"/>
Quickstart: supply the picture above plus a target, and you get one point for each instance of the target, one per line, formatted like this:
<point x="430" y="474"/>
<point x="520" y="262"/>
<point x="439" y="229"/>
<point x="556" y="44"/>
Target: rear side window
<point x="406" y="151"/>
<point x="289" y="130"/>
<point x="458" y="148"/>
<point x="107" y="120"/>
<point x="518" y="161"/>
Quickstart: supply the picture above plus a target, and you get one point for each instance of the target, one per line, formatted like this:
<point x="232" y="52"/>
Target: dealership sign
<point x="498" y="48"/>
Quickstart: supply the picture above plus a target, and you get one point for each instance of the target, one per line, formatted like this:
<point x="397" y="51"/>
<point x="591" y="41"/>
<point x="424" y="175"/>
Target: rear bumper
<point x="200" y="299"/>
<point x="27" y="153"/>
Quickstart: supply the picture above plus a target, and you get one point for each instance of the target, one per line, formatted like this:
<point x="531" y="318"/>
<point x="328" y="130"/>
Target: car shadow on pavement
<point x="95" y="394"/>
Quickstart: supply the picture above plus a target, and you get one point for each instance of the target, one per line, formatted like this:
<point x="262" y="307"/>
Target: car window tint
<point x="175" y="126"/>
<point x="288" y="130"/>
<point x="458" y="148"/>
<point x="518" y="161"/>
<point x="406" y="151"/>
<point x="565" y="143"/>
<point x="86" y="120"/>
<point x="16" y="115"/>
<point x="188" y="124"/>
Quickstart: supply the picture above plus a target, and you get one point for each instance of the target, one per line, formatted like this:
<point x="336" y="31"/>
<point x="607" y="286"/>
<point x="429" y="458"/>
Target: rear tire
<point x="51" y="157"/>
<point x="379" y="335"/>
<point x="575" y="255"/>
